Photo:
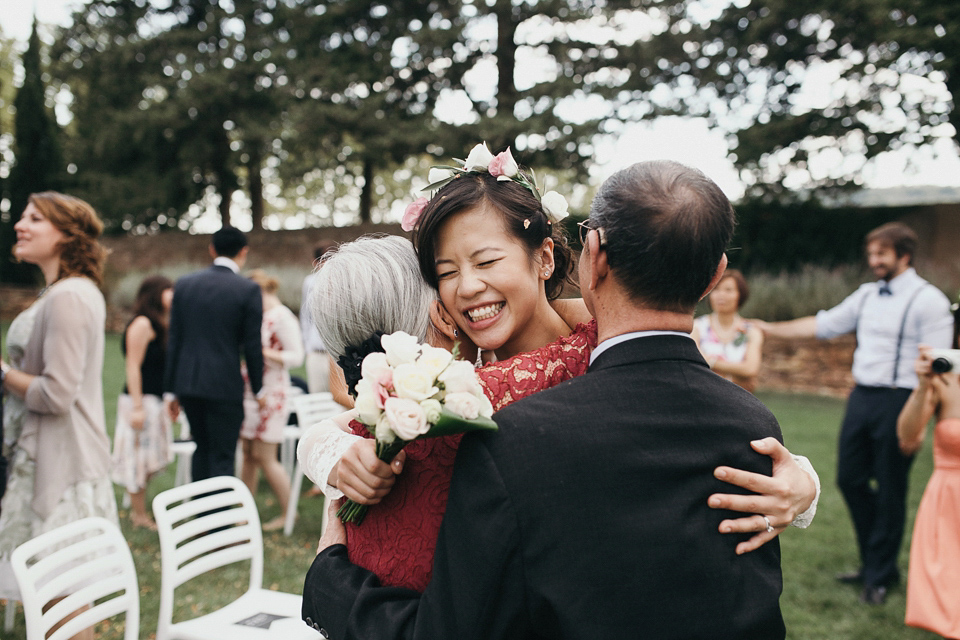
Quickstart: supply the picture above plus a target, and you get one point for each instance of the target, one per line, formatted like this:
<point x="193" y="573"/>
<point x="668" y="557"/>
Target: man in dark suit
<point x="585" y="515"/>
<point x="216" y="314"/>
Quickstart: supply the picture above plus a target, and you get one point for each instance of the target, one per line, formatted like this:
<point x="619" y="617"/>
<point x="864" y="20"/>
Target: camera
<point x="945" y="360"/>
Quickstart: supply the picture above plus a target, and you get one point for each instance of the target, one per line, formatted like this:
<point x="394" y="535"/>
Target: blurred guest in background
<point x="55" y="430"/>
<point x="730" y="345"/>
<point x="216" y="315"/>
<point x="144" y="433"/>
<point x="890" y="317"/>
<point x="933" y="588"/>
<point x="264" y="421"/>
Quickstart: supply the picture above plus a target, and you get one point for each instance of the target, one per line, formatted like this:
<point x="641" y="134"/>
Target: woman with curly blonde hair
<point x="54" y="426"/>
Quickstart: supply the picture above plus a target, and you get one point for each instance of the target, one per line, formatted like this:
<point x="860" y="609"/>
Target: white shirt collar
<point x="220" y="261"/>
<point x="900" y="281"/>
<point x="623" y="337"/>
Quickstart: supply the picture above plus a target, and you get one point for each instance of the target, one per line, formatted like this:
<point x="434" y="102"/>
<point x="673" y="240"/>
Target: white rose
<point x="374" y="365"/>
<point x="460" y="377"/>
<point x="486" y="409"/>
<point x="433" y="360"/>
<point x="554" y="205"/>
<point x="432" y="409"/>
<point x="479" y="158"/>
<point x="438" y="175"/>
<point x="401" y="348"/>
<point x="366" y="403"/>
<point x="465" y="405"/>
<point x="412" y="383"/>
<point x="384" y="431"/>
<point x="407" y="419"/>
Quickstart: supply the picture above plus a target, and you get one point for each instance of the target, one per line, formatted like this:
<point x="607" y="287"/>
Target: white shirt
<point x="220" y="261"/>
<point x="623" y="337"/>
<point x="877" y="320"/>
<point x="311" y="337"/>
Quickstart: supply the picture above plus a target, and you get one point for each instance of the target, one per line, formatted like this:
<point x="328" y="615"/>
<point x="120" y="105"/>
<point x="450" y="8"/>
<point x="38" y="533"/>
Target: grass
<point x="814" y="605"/>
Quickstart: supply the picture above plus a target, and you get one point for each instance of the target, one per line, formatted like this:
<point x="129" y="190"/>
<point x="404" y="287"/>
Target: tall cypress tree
<point x="38" y="165"/>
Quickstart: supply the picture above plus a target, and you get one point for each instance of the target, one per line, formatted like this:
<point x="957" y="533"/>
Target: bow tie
<point x="885" y="290"/>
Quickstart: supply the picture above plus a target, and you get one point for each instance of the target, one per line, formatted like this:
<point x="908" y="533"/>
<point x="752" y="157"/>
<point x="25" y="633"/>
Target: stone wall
<point x="808" y="366"/>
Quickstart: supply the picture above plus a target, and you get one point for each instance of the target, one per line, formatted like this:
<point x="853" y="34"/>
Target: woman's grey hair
<point x="368" y="285"/>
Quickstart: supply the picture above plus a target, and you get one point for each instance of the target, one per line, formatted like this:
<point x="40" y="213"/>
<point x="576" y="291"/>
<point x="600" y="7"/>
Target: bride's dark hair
<point x="520" y="210"/>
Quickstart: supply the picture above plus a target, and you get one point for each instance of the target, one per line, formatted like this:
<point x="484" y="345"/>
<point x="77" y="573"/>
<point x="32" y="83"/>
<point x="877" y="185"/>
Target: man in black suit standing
<point x="585" y="515"/>
<point x="216" y="314"/>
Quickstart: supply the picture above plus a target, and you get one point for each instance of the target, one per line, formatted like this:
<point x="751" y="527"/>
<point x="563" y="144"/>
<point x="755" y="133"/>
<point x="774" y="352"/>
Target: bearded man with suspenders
<point x="891" y="317"/>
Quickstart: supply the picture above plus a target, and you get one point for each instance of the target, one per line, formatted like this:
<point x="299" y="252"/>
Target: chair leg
<point x="291" y="514"/>
<point x="11" y="612"/>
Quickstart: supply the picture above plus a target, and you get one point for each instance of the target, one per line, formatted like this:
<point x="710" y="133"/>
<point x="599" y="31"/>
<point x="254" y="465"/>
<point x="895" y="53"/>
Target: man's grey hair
<point x="368" y="285"/>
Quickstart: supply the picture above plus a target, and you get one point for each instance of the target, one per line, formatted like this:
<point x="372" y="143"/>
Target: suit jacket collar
<point x="647" y="349"/>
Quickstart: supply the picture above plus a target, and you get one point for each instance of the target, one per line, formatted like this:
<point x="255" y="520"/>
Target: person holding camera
<point x="933" y="591"/>
<point x="891" y="317"/>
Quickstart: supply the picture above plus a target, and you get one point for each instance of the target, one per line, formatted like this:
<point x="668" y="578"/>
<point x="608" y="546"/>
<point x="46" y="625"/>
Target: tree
<point x="38" y="165"/>
<point x="755" y="64"/>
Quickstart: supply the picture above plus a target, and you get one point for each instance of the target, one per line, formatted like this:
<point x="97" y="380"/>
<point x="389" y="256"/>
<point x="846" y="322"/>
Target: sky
<point x="686" y="140"/>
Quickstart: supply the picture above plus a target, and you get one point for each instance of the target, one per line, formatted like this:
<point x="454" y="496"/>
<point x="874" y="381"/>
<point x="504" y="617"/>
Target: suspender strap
<point x="903" y="326"/>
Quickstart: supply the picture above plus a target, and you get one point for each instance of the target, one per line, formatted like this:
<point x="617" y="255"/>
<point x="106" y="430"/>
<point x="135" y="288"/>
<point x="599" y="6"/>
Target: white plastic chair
<point x="82" y="563"/>
<point x="201" y="531"/>
<point x="183" y="450"/>
<point x="311" y="408"/>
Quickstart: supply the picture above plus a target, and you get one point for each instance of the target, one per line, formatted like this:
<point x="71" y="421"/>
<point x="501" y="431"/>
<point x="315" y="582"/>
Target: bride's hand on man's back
<point x="363" y="477"/>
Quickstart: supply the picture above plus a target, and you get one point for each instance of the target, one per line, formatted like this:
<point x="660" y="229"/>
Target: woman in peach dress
<point x="933" y="586"/>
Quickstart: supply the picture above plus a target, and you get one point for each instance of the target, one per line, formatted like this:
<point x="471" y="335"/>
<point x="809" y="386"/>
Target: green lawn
<point x="814" y="605"/>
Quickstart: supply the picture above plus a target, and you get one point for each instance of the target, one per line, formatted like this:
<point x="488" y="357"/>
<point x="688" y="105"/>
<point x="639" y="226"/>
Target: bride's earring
<point x="456" y="334"/>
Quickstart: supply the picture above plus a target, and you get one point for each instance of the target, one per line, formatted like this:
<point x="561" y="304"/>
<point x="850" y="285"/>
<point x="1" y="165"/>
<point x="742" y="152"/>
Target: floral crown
<point x="502" y="166"/>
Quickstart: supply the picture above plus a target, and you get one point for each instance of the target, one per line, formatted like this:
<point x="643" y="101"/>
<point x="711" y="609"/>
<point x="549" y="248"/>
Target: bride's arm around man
<point x="586" y="514"/>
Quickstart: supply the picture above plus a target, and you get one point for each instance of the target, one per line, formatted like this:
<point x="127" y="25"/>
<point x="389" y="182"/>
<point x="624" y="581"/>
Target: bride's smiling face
<point x="488" y="280"/>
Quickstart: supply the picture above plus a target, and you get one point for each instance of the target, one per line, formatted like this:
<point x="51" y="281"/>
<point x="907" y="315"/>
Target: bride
<point x="496" y="258"/>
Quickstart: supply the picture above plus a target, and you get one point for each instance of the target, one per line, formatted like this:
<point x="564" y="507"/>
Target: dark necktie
<point x="885" y="289"/>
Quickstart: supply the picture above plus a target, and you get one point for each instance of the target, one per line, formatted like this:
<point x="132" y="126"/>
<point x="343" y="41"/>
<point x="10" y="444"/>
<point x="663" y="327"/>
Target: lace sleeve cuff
<point x="320" y="448"/>
<point x="803" y="520"/>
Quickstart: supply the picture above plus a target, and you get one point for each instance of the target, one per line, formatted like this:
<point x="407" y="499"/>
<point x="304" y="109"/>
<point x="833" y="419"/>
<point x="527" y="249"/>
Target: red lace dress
<point x="397" y="538"/>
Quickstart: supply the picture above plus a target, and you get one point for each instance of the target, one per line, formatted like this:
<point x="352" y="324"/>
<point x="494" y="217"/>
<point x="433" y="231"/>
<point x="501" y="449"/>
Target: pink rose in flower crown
<point x="503" y="166"/>
<point x="412" y="213"/>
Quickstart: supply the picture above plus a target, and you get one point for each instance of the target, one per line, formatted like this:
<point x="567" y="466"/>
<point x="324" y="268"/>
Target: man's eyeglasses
<point x="585" y="228"/>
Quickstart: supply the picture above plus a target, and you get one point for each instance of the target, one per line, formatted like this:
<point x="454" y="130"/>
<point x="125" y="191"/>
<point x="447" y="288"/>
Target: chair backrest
<point x="311" y="408"/>
<point x="78" y="564"/>
<point x="202" y="526"/>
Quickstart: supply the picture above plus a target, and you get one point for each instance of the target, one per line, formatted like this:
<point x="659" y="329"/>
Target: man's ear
<point x="442" y="321"/>
<point x="716" y="276"/>
<point x="597" y="267"/>
<point x="213" y="252"/>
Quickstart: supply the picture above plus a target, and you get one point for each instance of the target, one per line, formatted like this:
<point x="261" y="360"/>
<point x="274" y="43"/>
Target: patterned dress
<point x="137" y="455"/>
<point x="280" y="331"/>
<point x="407" y="521"/>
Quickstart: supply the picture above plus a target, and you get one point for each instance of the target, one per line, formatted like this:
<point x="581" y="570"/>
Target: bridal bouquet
<point x="411" y="391"/>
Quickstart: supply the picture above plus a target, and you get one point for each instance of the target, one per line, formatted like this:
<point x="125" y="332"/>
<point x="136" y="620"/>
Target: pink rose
<point x="412" y="213"/>
<point x="381" y="387"/>
<point x="503" y="165"/>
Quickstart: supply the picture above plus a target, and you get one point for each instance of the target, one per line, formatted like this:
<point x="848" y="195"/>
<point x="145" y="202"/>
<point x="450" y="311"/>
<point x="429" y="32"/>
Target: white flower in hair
<point x="479" y="158"/>
<point x="554" y="205"/>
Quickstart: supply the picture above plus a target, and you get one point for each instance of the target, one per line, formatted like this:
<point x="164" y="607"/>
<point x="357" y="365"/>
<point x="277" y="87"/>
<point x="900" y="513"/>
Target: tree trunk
<point x="366" y="195"/>
<point x="224" y="207"/>
<point x="506" y="67"/>
<point x="256" y="185"/>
